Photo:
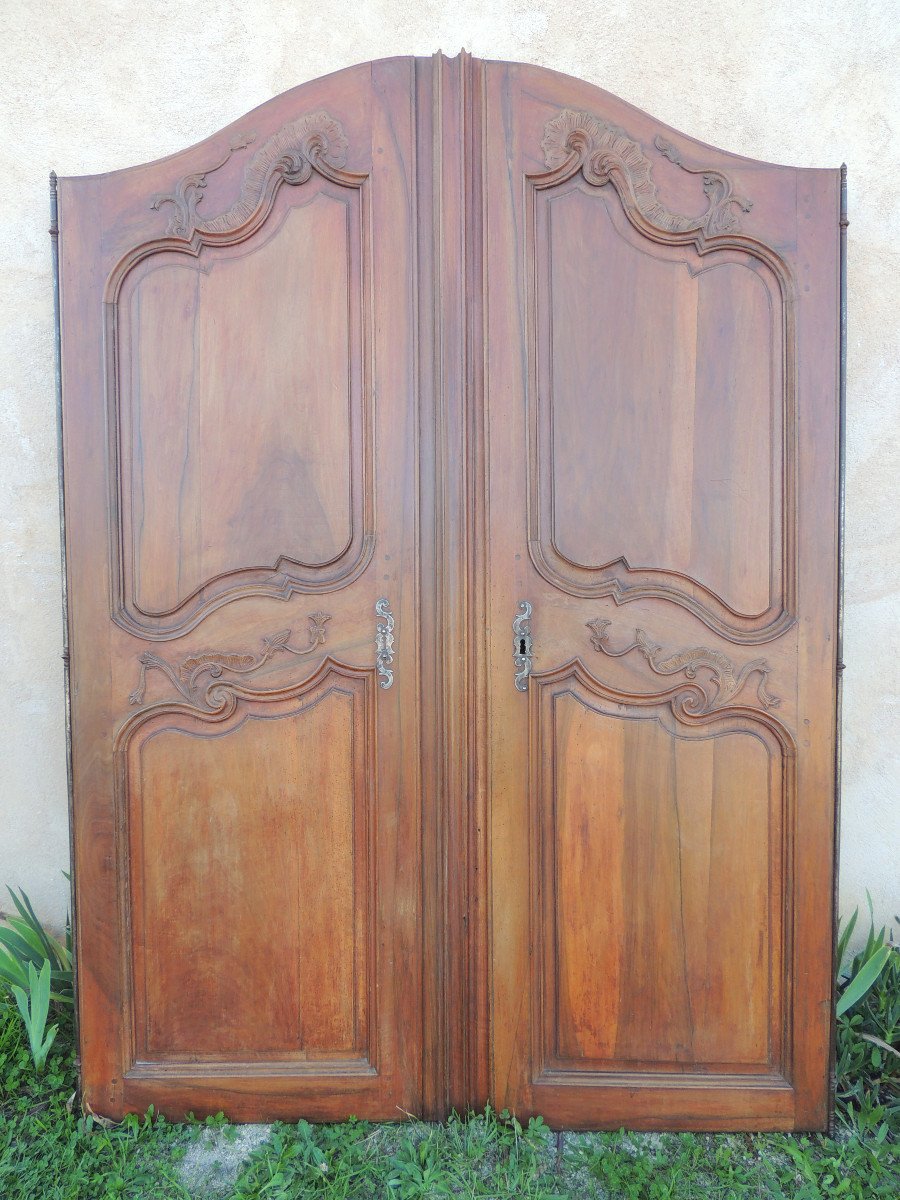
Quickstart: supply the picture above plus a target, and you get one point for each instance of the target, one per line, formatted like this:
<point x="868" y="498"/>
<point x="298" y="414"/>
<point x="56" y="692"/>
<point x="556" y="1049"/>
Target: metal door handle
<point x="384" y="642"/>
<point x="523" y="646"/>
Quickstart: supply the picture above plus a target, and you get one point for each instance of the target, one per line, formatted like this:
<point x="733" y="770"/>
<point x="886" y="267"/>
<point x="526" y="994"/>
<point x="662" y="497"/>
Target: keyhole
<point x="522" y="649"/>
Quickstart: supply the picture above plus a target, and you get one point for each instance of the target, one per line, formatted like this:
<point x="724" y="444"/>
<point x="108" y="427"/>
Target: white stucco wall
<point x="94" y="85"/>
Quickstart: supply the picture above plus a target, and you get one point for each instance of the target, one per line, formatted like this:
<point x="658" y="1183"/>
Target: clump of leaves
<point x="687" y="1166"/>
<point x="34" y="1006"/>
<point x="311" y="1160"/>
<point x="868" y="1030"/>
<point x="38" y="969"/>
<point x="24" y="941"/>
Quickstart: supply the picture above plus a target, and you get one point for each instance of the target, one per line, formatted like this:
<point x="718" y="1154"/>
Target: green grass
<point x="489" y="1156"/>
<point x="48" y="1151"/>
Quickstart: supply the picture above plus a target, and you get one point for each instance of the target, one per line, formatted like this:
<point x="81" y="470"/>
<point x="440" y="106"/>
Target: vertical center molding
<point x="449" y="113"/>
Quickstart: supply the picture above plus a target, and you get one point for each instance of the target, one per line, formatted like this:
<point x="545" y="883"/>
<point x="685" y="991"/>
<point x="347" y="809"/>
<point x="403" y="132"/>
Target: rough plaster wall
<point x="101" y="84"/>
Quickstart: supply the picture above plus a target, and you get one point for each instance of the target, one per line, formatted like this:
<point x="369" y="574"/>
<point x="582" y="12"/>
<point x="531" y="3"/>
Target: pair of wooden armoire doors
<point x="451" y="473"/>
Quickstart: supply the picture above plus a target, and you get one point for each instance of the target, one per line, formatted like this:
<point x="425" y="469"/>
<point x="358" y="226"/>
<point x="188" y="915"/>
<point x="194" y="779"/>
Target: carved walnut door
<point x="241" y="440"/>
<point x="661" y="480"/>
<point x="450" y="470"/>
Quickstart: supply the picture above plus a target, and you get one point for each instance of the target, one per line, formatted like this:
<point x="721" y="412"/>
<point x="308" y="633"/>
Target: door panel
<point x="280" y="427"/>
<point x="657" y="955"/>
<point x="689" y="418"/>
<point x="192" y="419"/>
<point x="215" y="804"/>
<point x="690" y="361"/>
<point x="238" y="366"/>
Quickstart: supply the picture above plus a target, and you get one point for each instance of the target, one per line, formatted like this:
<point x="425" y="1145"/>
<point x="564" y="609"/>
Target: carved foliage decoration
<point x="312" y="143"/>
<point x="725" y="681"/>
<point x="579" y="144"/>
<point x="205" y="679"/>
<point x="604" y="152"/>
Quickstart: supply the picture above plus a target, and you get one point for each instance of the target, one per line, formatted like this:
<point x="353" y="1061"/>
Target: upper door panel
<point x="680" y="394"/>
<point x="243" y="456"/>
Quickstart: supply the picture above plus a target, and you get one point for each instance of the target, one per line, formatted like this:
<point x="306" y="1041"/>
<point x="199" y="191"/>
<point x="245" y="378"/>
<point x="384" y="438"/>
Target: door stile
<point x="477" y="829"/>
<point x="818" y="649"/>
<point x="432" y="852"/>
<point x="450" y="372"/>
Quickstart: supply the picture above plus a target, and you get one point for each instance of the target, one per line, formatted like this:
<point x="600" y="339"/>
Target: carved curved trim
<point x="187" y="675"/>
<point x="576" y="142"/>
<point x="314" y="143"/>
<point x="224" y="698"/>
<point x="685" y="701"/>
<point x="726" y="679"/>
<point x="623" y="583"/>
<point x="311" y="144"/>
<point x="605" y="152"/>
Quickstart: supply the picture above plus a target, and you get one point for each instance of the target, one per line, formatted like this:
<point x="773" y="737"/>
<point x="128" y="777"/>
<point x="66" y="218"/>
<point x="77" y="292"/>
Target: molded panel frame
<point x="310" y="145"/>
<point x="680" y="711"/>
<point x="232" y="705"/>
<point x="591" y="152"/>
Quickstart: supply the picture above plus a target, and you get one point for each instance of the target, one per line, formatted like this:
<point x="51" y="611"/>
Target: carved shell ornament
<point x="314" y="142"/>
<point x="604" y="153"/>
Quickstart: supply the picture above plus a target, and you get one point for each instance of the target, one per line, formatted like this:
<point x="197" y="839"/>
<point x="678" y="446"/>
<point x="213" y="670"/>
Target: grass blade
<point x="882" y="1045"/>
<point x="25" y="931"/>
<point x="40" y="997"/>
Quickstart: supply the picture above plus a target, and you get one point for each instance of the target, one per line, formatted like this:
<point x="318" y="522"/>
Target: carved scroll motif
<point x="188" y="676"/>
<point x="605" y="153"/>
<point x="315" y="142"/>
<point x="726" y="679"/>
